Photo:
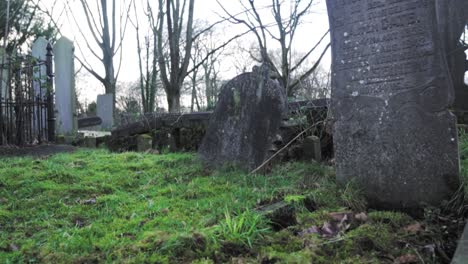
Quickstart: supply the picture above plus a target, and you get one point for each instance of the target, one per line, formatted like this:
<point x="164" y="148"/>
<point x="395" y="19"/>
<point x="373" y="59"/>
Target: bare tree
<point x="286" y="27"/>
<point x="176" y="18"/>
<point x="194" y="78"/>
<point x="148" y="65"/>
<point x="174" y="70"/>
<point x="204" y="79"/>
<point x="102" y="22"/>
<point x="317" y="85"/>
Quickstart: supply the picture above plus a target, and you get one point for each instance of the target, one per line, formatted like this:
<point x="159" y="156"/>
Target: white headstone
<point x="105" y="110"/>
<point x="65" y="101"/>
<point x="39" y="51"/>
<point x="4" y="74"/>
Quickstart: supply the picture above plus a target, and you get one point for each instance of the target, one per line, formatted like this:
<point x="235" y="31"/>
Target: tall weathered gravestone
<point x="105" y="110"/>
<point x="245" y="122"/>
<point x="393" y="134"/>
<point x="3" y="74"/>
<point x="65" y="97"/>
<point x="39" y="52"/>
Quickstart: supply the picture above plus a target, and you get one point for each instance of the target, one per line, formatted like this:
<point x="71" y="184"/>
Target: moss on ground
<point x="100" y="207"/>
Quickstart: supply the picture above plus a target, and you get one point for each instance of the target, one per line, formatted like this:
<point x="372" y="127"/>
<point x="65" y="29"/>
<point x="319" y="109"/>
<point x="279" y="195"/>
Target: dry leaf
<point x="362" y="217"/>
<point x="342" y="216"/>
<point x="414" y="228"/>
<point x="406" y="259"/>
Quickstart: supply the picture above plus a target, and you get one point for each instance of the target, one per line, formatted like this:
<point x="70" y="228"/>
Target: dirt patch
<point x="35" y="151"/>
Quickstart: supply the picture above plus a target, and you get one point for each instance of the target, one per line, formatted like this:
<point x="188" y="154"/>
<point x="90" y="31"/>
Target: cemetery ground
<point x="93" y="206"/>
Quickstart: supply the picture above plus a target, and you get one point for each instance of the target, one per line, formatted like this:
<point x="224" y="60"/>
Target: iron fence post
<point x="50" y="94"/>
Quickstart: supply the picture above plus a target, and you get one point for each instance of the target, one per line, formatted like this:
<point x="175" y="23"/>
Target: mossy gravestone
<point x="245" y="121"/>
<point x="393" y="134"/>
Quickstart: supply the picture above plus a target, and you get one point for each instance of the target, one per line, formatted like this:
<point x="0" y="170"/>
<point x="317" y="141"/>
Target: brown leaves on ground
<point x="414" y="228"/>
<point x="340" y="222"/>
<point x="406" y="259"/>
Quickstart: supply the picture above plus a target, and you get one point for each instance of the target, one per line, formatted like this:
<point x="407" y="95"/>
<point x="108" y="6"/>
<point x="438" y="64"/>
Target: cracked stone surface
<point x="393" y="134"/>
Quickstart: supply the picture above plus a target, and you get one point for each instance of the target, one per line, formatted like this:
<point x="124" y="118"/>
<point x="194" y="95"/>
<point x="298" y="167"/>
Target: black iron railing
<point x="26" y="100"/>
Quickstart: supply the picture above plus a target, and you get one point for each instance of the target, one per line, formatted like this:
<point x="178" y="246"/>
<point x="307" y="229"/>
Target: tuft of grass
<point x="245" y="228"/>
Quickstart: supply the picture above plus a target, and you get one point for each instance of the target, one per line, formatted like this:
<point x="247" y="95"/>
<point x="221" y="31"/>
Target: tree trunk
<point x="173" y="100"/>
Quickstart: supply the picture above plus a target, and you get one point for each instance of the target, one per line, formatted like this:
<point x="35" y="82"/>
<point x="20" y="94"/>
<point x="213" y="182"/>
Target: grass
<point x="94" y="206"/>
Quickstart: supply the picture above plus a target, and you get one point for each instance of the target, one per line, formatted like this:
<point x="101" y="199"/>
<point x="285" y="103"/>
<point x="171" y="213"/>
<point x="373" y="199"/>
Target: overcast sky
<point x="315" y="25"/>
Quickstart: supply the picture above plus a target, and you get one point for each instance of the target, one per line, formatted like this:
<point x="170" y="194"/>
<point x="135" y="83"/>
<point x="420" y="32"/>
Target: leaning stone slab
<point x="86" y="122"/>
<point x="245" y="122"/>
<point x="393" y="134"/>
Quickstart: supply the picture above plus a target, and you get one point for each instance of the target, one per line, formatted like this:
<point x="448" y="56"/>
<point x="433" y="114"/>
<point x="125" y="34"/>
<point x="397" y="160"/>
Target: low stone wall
<point x="185" y="132"/>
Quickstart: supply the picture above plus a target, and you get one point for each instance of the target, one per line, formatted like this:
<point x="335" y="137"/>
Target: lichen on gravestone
<point x="393" y="133"/>
<point x="245" y="122"/>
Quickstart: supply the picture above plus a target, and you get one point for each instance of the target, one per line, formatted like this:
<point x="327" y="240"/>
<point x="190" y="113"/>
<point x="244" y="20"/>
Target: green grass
<point x="101" y="207"/>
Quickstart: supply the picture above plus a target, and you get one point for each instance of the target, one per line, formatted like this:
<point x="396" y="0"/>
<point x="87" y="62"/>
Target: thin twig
<point x="285" y="146"/>
<point x="419" y="256"/>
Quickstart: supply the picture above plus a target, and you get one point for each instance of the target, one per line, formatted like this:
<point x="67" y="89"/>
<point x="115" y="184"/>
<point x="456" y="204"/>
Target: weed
<point x="244" y="228"/>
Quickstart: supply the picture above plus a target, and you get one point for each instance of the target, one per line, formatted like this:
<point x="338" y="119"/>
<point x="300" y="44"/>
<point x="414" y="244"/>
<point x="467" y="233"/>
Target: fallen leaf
<point x="89" y="201"/>
<point x="342" y="216"/>
<point x="311" y="230"/>
<point x="406" y="259"/>
<point x="413" y="228"/>
<point x="330" y="229"/>
<point x="362" y="217"/>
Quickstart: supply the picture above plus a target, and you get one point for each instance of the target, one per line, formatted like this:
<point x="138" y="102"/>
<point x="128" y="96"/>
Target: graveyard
<point x="94" y="206"/>
<point x="325" y="131"/>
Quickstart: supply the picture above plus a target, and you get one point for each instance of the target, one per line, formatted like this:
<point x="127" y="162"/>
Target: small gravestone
<point x="90" y="142"/>
<point x="312" y="149"/>
<point x="245" y="121"/>
<point x="105" y="110"/>
<point x="393" y="133"/>
<point x="144" y="143"/>
<point x="65" y="96"/>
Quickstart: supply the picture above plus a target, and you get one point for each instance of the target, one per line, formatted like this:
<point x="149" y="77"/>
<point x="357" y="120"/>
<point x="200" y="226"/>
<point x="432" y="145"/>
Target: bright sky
<point x="316" y="24"/>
